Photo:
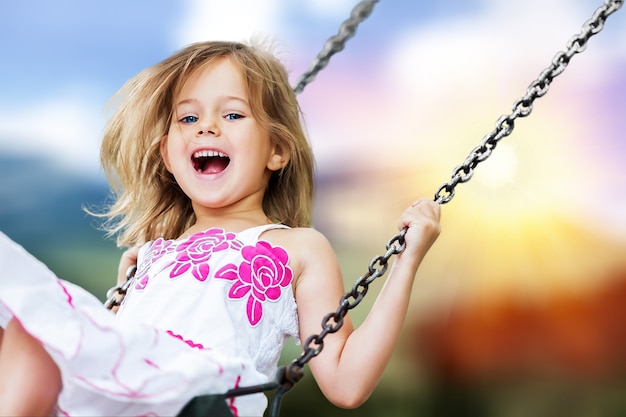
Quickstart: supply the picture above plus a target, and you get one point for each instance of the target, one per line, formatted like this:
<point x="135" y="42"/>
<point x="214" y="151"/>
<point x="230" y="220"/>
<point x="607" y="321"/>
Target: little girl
<point x="213" y="179"/>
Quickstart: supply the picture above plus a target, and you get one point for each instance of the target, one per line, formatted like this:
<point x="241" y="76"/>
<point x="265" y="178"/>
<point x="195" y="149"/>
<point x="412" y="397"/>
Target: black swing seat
<point x="207" y="406"/>
<point x="214" y="405"/>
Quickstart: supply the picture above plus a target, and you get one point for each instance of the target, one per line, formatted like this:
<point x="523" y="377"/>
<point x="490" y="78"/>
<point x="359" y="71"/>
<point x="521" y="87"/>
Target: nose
<point x="208" y="128"/>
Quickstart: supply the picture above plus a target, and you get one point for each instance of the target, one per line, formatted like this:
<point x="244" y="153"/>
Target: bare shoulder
<point x="306" y="247"/>
<point x="301" y="242"/>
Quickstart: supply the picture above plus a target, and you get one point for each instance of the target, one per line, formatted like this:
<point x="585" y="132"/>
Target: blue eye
<point x="233" y="116"/>
<point x="189" y="119"/>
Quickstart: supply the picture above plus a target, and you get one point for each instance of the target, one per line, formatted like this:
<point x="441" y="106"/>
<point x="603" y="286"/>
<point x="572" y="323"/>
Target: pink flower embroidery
<point x="158" y="248"/>
<point x="195" y="253"/>
<point x="261" y="277"/>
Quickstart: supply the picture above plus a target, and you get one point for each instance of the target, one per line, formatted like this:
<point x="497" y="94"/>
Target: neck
<point x="233" y="221"/>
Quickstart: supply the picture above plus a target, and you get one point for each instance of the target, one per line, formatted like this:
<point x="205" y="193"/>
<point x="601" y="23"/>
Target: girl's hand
<point x="422" y="219"/>
<point x="128" y="259"/>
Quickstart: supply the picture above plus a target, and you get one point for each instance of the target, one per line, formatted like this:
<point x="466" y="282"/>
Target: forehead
<point x="222" y="75"/>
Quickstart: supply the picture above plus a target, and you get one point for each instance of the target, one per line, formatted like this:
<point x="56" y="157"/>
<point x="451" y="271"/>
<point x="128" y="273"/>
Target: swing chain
<point x="336" y="43"/>
<point x="332" y="322"/>
<point x="524" y="105"/>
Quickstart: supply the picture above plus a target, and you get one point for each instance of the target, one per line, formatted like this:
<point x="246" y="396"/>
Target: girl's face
<point x="218" y="153"/>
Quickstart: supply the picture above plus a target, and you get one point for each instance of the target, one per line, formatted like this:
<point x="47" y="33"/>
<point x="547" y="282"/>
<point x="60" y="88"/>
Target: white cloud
<point x="65" y="130"/>
<point x="240" y="20"/>
<point x="493" y="54"/>
<point x="235" y="20"/>
<point x="507" y="39"/>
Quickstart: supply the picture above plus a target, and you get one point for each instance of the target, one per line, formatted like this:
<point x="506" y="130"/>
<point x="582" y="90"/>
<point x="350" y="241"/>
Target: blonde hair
<point x="147" y="201"/>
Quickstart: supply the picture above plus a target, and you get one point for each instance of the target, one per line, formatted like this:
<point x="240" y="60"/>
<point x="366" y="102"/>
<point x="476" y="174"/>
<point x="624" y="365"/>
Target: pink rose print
<point x="198" y="249"/>
<point x="158" y="248"/>
<point x="260" y="277"/>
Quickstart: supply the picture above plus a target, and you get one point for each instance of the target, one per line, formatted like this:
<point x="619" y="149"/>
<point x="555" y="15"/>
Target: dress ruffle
<point x="110" y="366"/>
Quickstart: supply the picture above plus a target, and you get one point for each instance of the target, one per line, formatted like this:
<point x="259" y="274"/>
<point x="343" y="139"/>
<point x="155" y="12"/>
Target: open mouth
<point x="210" y="162"/>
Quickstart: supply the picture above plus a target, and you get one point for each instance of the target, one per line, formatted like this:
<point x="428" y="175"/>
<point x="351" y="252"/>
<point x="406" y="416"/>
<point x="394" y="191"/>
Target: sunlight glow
<point x="500" y="168"/>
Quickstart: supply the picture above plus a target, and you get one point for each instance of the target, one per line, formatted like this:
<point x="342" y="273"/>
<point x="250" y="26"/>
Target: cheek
<point x="166" y="153"/>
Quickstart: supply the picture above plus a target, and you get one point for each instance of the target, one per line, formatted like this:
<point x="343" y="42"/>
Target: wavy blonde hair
<point x="147" y="203"/>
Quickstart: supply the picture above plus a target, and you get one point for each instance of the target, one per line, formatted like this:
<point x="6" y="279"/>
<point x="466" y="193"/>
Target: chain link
<point x="336" y="43"/>
<point x="524" y="105"/>
<point x="116" y="294"/>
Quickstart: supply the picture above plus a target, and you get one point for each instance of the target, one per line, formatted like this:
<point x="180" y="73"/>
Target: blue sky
<point x="64" y="59"/>
<point x="413" y="92"/>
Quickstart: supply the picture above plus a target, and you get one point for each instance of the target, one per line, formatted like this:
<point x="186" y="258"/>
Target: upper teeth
<point x="208" y="154"/>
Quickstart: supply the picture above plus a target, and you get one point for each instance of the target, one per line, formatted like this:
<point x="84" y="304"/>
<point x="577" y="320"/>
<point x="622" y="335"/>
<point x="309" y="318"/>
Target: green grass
<point x="92" y="267"/>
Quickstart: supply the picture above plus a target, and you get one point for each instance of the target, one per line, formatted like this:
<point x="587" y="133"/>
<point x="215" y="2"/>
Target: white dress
<point x="204" y="315"/>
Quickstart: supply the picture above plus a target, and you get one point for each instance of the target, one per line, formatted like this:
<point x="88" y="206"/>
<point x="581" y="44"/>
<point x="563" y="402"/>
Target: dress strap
<point x="255" y="232"/>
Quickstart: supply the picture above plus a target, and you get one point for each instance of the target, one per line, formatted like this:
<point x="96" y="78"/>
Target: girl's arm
<point x="352" y="361"/>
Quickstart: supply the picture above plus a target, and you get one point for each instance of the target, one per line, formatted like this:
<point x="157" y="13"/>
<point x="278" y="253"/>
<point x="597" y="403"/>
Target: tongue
<point x="214" y="165"/>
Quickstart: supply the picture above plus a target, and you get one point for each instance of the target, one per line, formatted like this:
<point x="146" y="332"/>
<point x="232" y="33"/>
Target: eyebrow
<point x="221" y="98"/>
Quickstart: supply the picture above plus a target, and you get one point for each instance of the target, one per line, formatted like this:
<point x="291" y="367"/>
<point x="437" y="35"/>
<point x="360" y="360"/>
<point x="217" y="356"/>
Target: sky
<point x="389" y="118"/>
<point x="65" y="59"/>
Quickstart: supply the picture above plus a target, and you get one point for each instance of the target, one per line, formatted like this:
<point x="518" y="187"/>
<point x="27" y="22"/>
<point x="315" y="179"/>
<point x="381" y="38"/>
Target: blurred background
<point x="520" y="307"/>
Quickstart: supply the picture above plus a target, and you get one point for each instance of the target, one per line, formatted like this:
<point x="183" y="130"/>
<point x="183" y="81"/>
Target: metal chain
<point x="332" y="322"/>
<point x="524" y="106"/>
<point x="336" y="43"/>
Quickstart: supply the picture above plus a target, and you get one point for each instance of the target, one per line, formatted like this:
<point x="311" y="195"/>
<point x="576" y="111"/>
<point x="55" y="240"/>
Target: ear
<point x="279" y="157"/>
<point x="164" y="155"/>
